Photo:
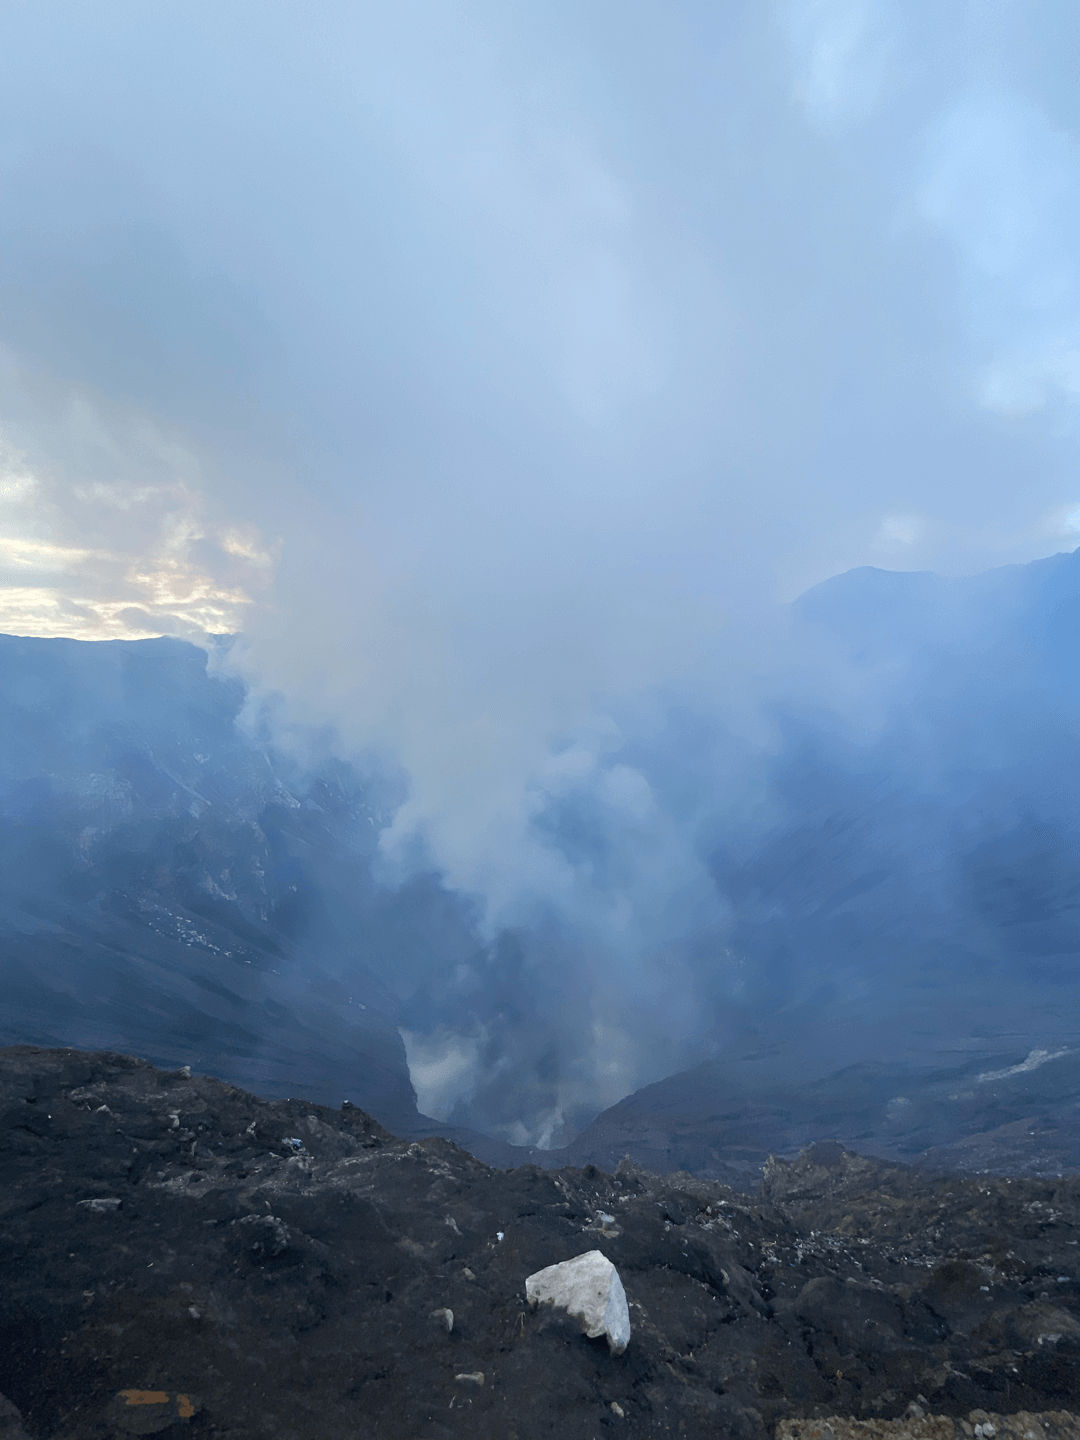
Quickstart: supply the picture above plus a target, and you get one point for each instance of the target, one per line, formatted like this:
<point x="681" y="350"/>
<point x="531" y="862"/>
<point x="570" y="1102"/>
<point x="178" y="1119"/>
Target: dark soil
<point x="179" y="1256"/>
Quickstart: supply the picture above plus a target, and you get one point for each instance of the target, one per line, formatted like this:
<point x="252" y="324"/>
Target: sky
<point x="496" y="366"/>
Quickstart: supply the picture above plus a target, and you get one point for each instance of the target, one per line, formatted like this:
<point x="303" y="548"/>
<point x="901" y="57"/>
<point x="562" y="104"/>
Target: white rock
<point x="588" y="1288"/>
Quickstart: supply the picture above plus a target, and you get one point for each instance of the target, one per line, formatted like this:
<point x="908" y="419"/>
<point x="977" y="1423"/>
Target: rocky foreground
<point x="179" y="1256"/>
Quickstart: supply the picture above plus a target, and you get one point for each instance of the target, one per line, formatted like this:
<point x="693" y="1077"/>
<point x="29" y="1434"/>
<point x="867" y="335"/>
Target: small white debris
<point x="185" y="1070"/>
<point x="444" y="1317"/>
<point x="174" y="1120"/>
<point x="470" y="1377"/>
<point x="500" y="1236"/>
<point x="616" y="1409"/>
<point x="588" y="1288"/>
<point x="100" y="1205"/>
<point x="469" y="1274"/>
<point x="294" y="1142"/>
<point x="605" y="1224"/>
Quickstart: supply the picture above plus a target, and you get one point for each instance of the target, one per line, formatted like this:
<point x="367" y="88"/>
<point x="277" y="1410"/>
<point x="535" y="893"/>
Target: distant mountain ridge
<point x="913" y="909"/>
<point x="174" y="884"/>
<point x="723" y="1121"/>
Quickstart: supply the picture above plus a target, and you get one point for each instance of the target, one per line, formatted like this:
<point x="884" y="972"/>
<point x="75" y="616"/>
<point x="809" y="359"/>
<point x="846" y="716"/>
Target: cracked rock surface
<point x="180" y="1257"/>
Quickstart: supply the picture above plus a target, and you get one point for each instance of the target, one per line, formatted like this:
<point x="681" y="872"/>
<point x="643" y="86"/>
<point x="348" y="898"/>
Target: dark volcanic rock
<point x="178" y="1256"/>
<point x="979" y="1425"/>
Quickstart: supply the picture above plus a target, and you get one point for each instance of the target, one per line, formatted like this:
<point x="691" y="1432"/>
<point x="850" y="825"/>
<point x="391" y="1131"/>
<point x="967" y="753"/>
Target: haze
<point x="501" y="370"/>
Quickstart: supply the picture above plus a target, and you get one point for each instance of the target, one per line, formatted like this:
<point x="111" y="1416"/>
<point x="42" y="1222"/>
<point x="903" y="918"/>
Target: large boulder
<point x="588" y="1288"/>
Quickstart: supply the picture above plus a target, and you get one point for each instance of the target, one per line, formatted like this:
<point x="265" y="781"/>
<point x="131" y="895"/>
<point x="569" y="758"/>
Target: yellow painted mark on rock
<point x="183" y="1404"/>
<point x="146" y="1397"/>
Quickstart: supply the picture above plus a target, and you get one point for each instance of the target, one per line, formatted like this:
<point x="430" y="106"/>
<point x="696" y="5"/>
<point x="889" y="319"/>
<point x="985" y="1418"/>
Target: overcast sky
<point x="490" y="364"/>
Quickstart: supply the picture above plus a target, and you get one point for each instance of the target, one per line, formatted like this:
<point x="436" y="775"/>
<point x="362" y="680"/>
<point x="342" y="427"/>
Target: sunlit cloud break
<point x="168" y="567"/>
